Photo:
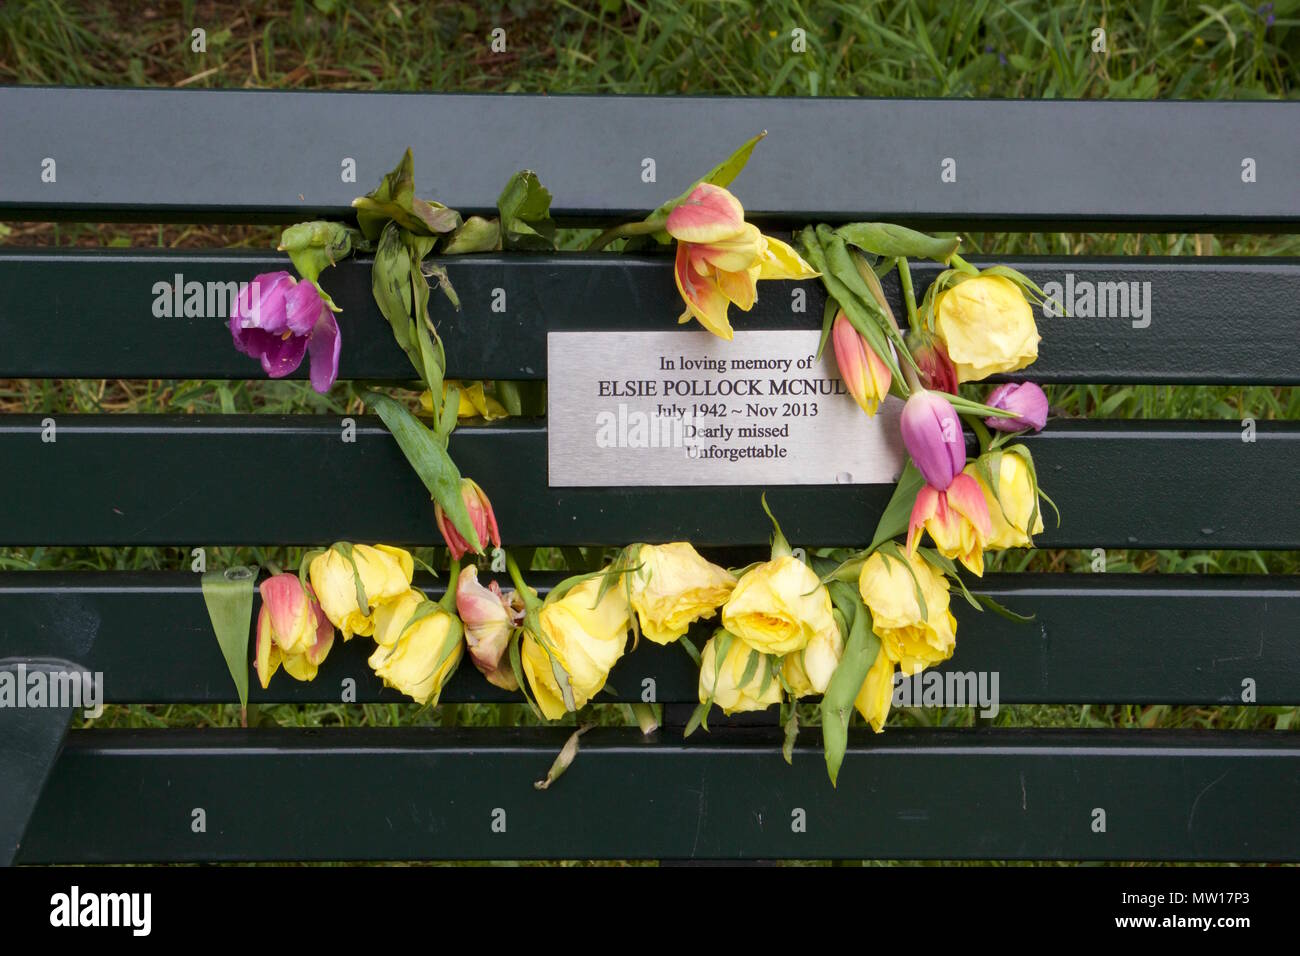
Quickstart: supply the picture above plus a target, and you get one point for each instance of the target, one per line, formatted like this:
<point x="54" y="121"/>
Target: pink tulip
<point x="1026" y="399"/>
<point x="480" y="516"/>
<point x="278" y="320"/>
<point x="933" y="436"/>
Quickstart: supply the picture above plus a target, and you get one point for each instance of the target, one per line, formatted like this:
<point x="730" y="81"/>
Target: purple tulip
<point x="1025" y="399"/>
<point x="932" y="433"/>
<point x="278" y="319"/>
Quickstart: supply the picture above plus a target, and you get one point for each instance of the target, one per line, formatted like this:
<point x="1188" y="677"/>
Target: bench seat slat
<point x="410" y="794"/>
<point x="1197" y="325"/>
<point x="1057" y="163"/>
<point x="188" y="480"/>
<point x="1116" y="638"/>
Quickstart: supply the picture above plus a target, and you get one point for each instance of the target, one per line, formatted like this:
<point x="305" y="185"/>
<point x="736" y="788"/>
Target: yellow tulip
<point x="912" y="639"/>
<point x="778" y="607"/>
<point x="415" y="655"/>
<point x="385" y="574"/>
<point x="1010" y="508"/>
<point x="723" y="681"/>
<point x="586" y="637"/>
<point x="721" y="258"/>
<point x="986" y="326"/>
<point x="876" y="695"/>
<point x="673" y="587"/>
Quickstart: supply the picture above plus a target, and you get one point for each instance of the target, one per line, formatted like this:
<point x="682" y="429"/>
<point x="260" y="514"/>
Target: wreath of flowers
<point x="833" y="622"/>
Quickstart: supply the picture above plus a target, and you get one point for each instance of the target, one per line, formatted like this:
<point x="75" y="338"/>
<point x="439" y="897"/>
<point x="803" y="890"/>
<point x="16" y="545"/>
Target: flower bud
<point x="1026" y="399"/>
<point x="865" y="375"/>
<point x="934" y="368"/>
<point x="933" y="436"/>
<point x="489" y="620"/>
<point x="480" y="516"/>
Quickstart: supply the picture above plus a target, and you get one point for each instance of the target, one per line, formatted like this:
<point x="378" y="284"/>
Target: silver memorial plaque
<point x="673" y="408"/>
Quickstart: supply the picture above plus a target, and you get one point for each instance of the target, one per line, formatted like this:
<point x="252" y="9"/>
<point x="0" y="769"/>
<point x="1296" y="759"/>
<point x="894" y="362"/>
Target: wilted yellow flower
<point x="586" y="638"/>
<point x="474" y="401"/>
<point x="720" y="257"/>
<point x="876" y="695"/>
<point x="809" y="671"/>
<point x="385" y="574"/>
<point x="674" y="587"/>
<point x="416" y="654"/>
<point x="1010" y="508"/>
<point x="986" y="326"/>
<point x="724" y="681"/>
<point x="912" y="639"/>
<point x="778" y="607"/>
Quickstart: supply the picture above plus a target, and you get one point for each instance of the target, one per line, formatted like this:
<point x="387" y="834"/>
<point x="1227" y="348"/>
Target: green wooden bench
<point x="415" y="793"/>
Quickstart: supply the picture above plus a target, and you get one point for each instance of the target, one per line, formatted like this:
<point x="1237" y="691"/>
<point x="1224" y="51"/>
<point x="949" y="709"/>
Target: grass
<point x="1024" y="48"/>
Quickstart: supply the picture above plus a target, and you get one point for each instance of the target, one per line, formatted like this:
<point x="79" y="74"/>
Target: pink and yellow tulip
<point x="865" y="375"/>
<point x="291" y="630"/>
<point x="720" y="257"/>
<point x="957" y="519"/>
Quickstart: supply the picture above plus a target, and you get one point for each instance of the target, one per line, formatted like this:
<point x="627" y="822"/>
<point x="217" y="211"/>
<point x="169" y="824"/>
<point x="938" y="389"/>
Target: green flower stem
<point x="624" y="231"/>
<point x="963" y="266"/>
<point x="448" y="602"/>
<point x="531" y="601"/>
<point x="909" y="295"/>
<point x="913" y="380"/>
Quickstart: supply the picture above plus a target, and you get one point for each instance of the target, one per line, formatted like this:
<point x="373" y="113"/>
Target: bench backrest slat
<point x="150" y="154"/>
<point x="124" y="314"/>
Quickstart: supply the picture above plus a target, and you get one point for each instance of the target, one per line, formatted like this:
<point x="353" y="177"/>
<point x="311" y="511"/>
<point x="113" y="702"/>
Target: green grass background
<point x="980" y="49"/>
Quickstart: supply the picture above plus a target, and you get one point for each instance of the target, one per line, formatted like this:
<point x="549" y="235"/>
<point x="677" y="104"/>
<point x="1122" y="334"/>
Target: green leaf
<point x="430" y="460"/>
<point x="229" y="597"/>
<point x="780" y="546"/>
<point x="525" y="209"/>
<point x="860" y="649"/>
<point x="859" y="315"/>
<point x="893" y="521"/>
<point x="791" y="733"/>
<point x="720" y="175"/>
<point x="517" y="667"/>
<point x="887" y="239"/>
<point x="751" y="668"/>
<point x="390" y="283"/>
<point x="394" y="199"/>
<point x="1003" y="611"/>
<point x="829" y="312"/>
